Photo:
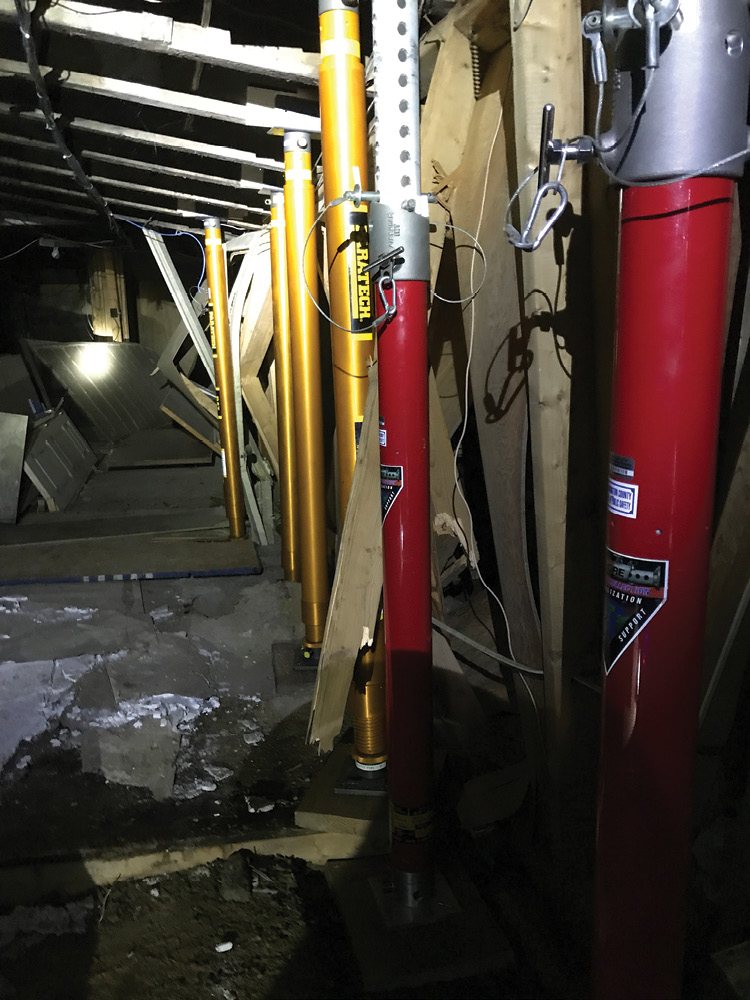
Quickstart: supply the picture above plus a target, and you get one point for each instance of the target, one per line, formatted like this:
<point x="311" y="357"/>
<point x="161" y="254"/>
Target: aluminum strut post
<point x="299" y="211"/>
<point x="282" y="350"/>
<point x="344" y="147"/>
<point x="218" y="315"/>
<point x="400" y="267"/>
<point x="674" y="249"/>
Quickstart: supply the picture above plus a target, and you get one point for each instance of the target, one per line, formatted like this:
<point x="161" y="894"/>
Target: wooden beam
<point x="355" y="595"/>
<point x="547" y="66"/>
<point x="230" y="155"/>
<point x="197" y="197"/>
<point x="154" y="33"/>
<point x="251" y="115"/>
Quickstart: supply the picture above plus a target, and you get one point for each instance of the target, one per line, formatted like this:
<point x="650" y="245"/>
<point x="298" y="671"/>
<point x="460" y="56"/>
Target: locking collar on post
<point x="674" y="99"/>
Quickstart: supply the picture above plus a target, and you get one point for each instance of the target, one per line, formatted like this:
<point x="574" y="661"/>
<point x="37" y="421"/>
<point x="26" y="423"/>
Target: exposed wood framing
<point x="547" y="66"/>
<point x="155" y="139"/>
<point x="154" y="33"/>
<point x="251" y="115"/>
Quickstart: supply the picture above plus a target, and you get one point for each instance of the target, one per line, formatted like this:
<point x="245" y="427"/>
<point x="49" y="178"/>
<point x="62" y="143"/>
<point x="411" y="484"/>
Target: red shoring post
<point x="681" y="101"/>
<point x="671" y="310"/>
<point x="399" y="223"/>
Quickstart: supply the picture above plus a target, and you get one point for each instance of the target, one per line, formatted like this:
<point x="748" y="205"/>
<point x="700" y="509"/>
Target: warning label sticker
<point x="636" y="589"/>
<point x="391" y="484"/>
<point x="623" y="498"/>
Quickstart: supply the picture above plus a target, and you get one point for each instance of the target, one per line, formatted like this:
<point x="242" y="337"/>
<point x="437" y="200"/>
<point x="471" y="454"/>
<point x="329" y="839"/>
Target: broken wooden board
<point x="355" y="595"/>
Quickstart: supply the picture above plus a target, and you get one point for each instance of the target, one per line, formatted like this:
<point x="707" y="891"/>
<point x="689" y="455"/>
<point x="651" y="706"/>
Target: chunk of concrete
<point x="142" y="754"/>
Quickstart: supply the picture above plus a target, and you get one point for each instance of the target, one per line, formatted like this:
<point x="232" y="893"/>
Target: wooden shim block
<point x="355" y="596"/>
<point x="547" y="62"/>
<point x="322" y="808"/>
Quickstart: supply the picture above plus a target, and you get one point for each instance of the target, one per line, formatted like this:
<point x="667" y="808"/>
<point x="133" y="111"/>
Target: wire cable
<point x="45" y="105"/>
<point x="473" y="292"/>
<point x="20" y="249"/>
<point x="472" y="552"/>
<point x="520" y="667"/>
<point x="182" y="232"/>
<point x="365" y="329"/>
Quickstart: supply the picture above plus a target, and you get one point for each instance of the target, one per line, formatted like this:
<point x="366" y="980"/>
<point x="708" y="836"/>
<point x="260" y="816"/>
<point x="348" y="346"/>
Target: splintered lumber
<point x="499" y="357"/>
<point x="355" y="596"/>
<point x="547" y="66"/>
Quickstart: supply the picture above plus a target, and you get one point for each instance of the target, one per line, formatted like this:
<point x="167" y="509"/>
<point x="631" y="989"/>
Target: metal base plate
<point x="354" y="781"/>
<point x="461" y="939"/>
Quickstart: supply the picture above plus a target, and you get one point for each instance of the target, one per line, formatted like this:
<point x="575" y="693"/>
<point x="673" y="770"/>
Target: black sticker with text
<point x="391" y="484"/>
<point x="621" y="466"/>
<point x="361" y="318"/>
<point x="636" y="589"/>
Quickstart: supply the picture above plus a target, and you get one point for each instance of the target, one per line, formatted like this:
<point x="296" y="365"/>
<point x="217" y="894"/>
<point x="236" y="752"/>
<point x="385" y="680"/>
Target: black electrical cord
<point x="45" y="105"/>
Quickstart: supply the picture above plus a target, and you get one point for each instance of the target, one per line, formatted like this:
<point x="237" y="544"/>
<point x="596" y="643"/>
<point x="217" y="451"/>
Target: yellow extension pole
<point x="282" y="350"/>
<point x="344" y="146"/>
<point x="218" y="315"/>
<point x="299" y="211"/>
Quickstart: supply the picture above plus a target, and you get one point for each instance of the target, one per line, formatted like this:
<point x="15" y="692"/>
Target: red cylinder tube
<point x="405" y="493"/>
<point x="671" y="311"/>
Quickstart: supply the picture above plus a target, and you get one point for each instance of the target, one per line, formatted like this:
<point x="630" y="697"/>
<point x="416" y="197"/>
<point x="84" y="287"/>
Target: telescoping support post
<point x="400" y="267"/>
<point x="670" y="327"/>
<point x="282" y="350"/>
<point x="344" y="148"/>
<point x="299" y="210"/>
<point x="218" y="315"/>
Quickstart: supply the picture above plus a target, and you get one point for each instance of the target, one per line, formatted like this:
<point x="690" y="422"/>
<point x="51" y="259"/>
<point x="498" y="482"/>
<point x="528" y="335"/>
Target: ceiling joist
<point x="154" y="33"/>
<point x="250" y="115"/>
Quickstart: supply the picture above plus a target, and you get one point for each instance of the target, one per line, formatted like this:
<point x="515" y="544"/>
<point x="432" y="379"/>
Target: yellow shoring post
<point x="299" y="211"/>
<point x="282" y="351"/>
<point x="218" y="315"/>
<point x="344" y="147"/>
